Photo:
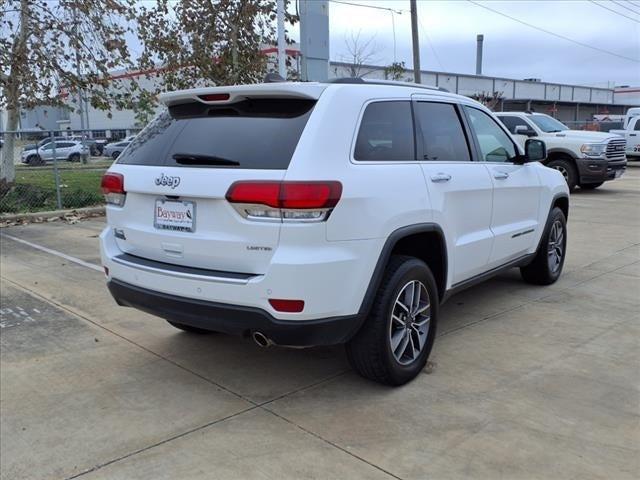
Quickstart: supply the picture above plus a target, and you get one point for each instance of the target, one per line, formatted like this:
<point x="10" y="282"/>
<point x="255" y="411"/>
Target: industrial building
<point x="572" y="104"/>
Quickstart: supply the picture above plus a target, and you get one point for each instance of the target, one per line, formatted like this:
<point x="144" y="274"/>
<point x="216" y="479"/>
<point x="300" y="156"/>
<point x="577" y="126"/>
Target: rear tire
<point x="591" y="186"/>
<point x="189" y="328"/>
<point x="568" y="170"/>
<point x="395" y="341"/>
<point x="546" y="266"/>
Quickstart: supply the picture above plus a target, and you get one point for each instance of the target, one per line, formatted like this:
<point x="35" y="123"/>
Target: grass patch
<point x="34" y="189"/>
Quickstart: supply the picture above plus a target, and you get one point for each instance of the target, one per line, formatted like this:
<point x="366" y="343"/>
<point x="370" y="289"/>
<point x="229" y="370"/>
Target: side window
<point x="512" y="122"/>
<point x="386" y="132"/>
<point x="495" y="144"/>
<point x="64" y="145"/>
<point x="443" y="137"/>
<point x="637" y="127"/>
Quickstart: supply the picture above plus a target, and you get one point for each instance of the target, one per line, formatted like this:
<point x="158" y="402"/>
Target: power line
<point x="620" y="4"/>
<point x="424" y="30"/>
<point x="394" y="10"/>
<point x="614" y="11"/>
<point x="586" y="45"/>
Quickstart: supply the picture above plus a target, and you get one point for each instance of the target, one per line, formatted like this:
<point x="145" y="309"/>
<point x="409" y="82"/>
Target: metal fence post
<point x="55" y="171"/>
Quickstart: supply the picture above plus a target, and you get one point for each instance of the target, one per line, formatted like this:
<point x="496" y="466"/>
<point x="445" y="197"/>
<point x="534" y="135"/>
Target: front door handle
<point x="440" y="177"/>
<point x="501" y="175"/>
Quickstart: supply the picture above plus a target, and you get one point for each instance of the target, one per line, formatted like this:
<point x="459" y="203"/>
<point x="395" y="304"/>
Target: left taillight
<point x="286" y="201"/>
<point x="113" y="188"/>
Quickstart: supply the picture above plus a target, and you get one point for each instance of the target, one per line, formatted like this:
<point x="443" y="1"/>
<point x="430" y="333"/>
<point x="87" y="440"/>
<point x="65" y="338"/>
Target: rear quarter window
<point x="251" y="134"/>
<point x="386" y="132"/>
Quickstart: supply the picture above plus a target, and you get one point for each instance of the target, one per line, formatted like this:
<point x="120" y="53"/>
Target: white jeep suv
<point x="304" y="214"/>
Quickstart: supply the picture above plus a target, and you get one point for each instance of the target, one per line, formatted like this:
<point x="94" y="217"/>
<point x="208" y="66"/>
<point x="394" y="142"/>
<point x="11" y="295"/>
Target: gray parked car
<point x="114" y="149"/>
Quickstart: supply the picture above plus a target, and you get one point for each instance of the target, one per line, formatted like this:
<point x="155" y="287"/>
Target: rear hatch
<point x="178" y="170"/>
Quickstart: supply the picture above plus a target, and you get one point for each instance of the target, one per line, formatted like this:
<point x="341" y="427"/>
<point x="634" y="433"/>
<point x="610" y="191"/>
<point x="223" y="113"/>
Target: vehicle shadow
<point x="262" y="374"/>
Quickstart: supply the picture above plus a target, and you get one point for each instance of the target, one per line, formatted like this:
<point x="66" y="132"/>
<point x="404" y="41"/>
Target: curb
<point x="13" y="217"/>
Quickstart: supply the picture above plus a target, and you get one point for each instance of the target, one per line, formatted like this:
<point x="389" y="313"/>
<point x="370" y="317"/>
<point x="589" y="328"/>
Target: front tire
<point x="74" y="157"/>
<point x="115" y="155"/>
<point x="395" y="341"/>
<point x="546" y="266"/>
<point x="568" y="171"/>
<point x="34" y="161"/>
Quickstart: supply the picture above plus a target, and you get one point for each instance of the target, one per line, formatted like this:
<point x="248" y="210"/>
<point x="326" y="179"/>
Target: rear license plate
<point x="174" y="215"/>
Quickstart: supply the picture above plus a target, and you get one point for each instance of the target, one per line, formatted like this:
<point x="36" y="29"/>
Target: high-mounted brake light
<point x="281" y="200"/>
<point x="214" y="97"/>
<point x="112" y="186"/>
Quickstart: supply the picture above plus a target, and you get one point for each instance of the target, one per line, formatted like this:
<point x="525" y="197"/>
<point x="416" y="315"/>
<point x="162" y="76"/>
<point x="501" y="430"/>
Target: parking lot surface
<point x="525" y="382"/>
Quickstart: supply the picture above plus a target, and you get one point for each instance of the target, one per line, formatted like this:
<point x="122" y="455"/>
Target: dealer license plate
<point x="174" y="215"/>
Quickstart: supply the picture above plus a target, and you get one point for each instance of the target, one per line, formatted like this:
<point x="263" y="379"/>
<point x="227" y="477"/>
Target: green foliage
<point x="395" y="71"/>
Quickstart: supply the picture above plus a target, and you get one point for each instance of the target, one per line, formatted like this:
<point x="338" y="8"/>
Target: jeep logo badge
<point x="167" y="181"/>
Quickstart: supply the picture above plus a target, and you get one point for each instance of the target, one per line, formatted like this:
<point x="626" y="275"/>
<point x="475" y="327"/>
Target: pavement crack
<point x="333" y="444"/>
<point x="162" y="442"/>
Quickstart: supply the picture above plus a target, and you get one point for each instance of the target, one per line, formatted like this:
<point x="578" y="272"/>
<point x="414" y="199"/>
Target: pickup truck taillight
<point x="285" y="201"/>
<point x="113" y="188"/>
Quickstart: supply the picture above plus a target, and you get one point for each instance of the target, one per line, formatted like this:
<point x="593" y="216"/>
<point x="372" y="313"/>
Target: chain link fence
<point x="57" y="170"/>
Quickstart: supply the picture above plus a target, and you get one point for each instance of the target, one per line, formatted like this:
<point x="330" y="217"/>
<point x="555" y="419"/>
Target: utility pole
<point x="282" y="57"/>
<point x="480" y="40"/>
<point x="314" y="40"/>
<point x="416" y="43"/>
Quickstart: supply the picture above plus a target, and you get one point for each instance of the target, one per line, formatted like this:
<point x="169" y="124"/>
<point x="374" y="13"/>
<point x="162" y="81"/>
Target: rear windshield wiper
<point x="195" y="159"/>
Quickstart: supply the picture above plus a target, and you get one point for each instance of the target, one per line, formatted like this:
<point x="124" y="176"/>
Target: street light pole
<point x="416" y="43"/>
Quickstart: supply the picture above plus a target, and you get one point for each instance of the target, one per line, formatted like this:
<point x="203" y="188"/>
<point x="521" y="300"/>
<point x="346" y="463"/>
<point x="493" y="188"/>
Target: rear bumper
<point x="235" y="319"/>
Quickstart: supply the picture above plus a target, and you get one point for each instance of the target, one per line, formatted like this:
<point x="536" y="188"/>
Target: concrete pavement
<point x="527" y="382"/>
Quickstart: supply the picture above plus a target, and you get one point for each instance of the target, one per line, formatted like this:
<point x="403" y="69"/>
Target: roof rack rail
<point x="366" y="81"/>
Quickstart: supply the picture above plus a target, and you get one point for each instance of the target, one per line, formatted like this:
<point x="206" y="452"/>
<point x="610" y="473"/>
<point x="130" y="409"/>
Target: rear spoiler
<point x="223" y="95"/>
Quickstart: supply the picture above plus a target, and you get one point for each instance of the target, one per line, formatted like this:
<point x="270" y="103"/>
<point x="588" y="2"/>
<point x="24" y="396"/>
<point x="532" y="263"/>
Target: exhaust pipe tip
<point x="261" y="340"/>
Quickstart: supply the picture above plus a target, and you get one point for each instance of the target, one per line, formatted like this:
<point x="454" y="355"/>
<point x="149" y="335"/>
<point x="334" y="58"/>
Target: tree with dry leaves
<point x="489" y="99"/>
<point x="50" y="49"/>
<point x="202" y="42"/>
<point x="360" y="54"/>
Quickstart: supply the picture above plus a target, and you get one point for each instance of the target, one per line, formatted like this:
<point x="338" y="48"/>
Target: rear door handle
<point x="440" y="177"/>
<point x="501" y="175"/>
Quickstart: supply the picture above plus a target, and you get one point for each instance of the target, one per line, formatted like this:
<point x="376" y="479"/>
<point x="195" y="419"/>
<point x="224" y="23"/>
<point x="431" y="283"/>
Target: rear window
<point x="251" y="134"/>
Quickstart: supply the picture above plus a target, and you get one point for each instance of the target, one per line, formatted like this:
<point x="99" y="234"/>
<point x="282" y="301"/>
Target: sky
<point x="448" y="32"/>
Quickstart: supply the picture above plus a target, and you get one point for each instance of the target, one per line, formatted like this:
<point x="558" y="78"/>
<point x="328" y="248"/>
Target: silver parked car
<point x="64" y="150"/>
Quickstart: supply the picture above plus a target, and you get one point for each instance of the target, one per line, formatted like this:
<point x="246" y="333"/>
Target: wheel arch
<point x="425" y="241"/>
<point x="560" y="153"/>
<point x="562" y="202"/>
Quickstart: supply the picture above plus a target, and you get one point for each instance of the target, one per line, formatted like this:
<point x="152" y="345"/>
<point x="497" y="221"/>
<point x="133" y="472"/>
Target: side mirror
<point x="534" y="150"/>
<point x="523" y="130"/>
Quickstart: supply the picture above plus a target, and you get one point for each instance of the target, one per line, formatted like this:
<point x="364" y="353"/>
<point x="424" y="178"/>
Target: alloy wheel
<point x="555" y="249"/>
<point x="409" y="326"/>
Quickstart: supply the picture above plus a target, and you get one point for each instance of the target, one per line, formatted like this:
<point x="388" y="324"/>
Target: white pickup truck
<point x="631" y="133"/>
<point x="586" y="159"/>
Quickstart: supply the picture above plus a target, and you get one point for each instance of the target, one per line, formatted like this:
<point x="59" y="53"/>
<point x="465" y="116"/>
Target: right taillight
<point x="112" y="186"/>
<point x="285" y="201"/>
